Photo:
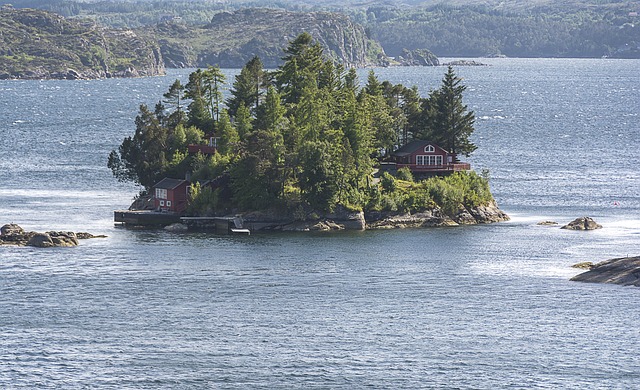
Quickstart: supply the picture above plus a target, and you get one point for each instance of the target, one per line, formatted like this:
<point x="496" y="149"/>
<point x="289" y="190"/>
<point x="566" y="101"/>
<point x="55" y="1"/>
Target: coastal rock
<point x="11" y="229"/>
<point x="583" y="223"/>
<point x="418" y="57"/>
<point x="464" y="63"/>
<point x="547" y="223"/>
<point x="583" y="265"/>
<point x="394" y="220"/>
<point x="86" y="236"/>
<point x="489" y="213"/>
<point x="624" y="271"/>
<point x="12" y="234"/>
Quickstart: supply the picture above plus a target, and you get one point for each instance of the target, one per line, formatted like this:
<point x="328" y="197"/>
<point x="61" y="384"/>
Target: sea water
<point x="465" y="307"/>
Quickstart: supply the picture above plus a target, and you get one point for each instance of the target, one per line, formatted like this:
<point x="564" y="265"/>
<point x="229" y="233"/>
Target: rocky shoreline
<point x="12" y="234"/>
<point x="624" y="271"/>
<point x="343" y="219"/>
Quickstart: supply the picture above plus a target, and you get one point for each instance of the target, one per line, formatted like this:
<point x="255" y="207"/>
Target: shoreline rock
<point x="13" y="234"/>
<point x="582" y="223"/>
<point x="624" y="271"/>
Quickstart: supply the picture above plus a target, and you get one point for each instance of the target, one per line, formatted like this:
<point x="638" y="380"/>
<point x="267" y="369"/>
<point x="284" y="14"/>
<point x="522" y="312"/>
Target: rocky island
<point x="624" y="271"/>
<point x="12" y="234"/>
<point x="304" y="147"/>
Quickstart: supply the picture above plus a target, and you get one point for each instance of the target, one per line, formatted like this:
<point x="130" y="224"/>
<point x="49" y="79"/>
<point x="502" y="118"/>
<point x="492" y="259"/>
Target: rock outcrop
<point x="233" y="38"/>
<point x="582" y="223"/>
<point x="624" y="271"/>
<point x="12" y="234"/>
<point x="489" y="213"/>
<point x="418" y="57"/>
<point x="36" y="44"/>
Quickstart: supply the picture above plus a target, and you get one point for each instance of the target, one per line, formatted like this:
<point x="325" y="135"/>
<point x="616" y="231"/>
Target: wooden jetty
<point x="223" y="225"/>
<point x="145" y="217"/>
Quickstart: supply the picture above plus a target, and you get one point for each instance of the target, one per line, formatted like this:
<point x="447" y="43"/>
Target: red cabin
<point x="171" y="195"/>
<point x="424" y="158"/>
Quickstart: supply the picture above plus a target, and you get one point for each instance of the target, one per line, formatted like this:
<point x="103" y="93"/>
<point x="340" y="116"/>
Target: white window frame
<point x="161" y="203"/>
<point x="429" y="149"/>
<point x="161" y="193"/>
<point x="168" y="203"/>
<point x="422" y="159"/>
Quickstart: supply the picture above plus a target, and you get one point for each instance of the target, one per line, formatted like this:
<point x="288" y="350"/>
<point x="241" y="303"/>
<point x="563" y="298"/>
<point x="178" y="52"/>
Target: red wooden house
<point x="424" y="158"/>
<point x="171" y="195"/>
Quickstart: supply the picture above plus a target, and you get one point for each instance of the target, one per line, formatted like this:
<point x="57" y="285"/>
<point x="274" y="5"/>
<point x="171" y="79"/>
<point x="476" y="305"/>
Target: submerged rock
<point x="583" y="223"/>
<point x="624" y="271"/>
<point x="547" y="223"/>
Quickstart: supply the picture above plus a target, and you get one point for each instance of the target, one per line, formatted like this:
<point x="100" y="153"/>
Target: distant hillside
<point x="233" y="38"/>
<point x="550" y="30"/>
<point x="39" y="45"/>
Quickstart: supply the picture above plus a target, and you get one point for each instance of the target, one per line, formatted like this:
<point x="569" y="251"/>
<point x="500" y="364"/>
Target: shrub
<point x="405" y="174"/>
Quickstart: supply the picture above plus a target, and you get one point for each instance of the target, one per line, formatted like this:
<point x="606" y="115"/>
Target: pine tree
<point x="446" y="120"/>
<point x="248" y="87"/>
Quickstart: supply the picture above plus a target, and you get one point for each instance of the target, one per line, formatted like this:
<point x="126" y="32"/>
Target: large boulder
<point x="583" y="223"/>
<point x="53" y="239"/>
<point x="624" y="271"/>
<point x="11" y="229"/>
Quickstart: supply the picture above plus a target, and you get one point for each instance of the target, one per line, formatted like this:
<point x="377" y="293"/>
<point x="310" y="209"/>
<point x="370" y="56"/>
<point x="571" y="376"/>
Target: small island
<point x="304" y="148"/>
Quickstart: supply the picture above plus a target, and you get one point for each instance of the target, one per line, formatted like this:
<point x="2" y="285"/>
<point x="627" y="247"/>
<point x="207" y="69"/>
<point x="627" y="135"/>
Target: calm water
<point x="470" y="307"/>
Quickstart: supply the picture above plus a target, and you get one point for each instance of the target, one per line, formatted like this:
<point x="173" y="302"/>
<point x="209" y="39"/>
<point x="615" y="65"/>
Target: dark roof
<point x="412" y="147"/>
<point x="169" y="184"/>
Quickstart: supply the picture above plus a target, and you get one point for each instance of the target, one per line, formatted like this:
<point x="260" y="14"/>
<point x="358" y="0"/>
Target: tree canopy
<point x="304" y="135"/>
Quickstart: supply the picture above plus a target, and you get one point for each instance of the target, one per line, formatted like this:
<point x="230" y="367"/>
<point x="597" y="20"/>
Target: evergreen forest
<point x="305" y="136"/>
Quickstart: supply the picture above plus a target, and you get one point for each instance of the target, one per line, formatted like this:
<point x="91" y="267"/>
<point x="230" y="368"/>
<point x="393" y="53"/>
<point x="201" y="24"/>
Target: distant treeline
<point x="471" y="32"/>
<point x="568" y="29"/>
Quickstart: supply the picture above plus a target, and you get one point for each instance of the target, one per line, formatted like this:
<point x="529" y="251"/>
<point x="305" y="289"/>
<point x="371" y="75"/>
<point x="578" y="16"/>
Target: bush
<point x="405" y="174"/>
<point x="388" y="183"/>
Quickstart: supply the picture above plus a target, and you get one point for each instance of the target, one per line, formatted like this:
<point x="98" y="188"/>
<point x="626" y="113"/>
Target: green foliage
<point x="388" y="182"/>
<point x="405" y="174"/>
<point x="202" y="201"/>
<point x="208" y="167"/>
<point x="310" y="144"/>
<point x="461" y="189"/>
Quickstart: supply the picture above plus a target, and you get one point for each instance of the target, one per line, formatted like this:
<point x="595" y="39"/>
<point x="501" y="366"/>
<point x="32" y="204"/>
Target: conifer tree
<point x="445" y="119"/>
<point x="248" y="87"/>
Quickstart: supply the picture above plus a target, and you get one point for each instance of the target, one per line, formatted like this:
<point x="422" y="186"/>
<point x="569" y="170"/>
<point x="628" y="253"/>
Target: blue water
<point x="477" y="307"/>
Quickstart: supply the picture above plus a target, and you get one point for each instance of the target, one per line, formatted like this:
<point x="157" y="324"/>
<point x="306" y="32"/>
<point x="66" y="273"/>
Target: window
<point x="168" y="203"/>
<point x="161" y="193"/>
<point x="429" y="149"/>
<point x="428" y="160"/>
<point x="162" y="203"/>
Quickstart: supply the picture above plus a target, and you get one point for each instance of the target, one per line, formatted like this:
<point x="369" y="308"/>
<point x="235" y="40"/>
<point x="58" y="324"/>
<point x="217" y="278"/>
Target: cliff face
<point x="36" y="44"/>
<point x="232" y="39"/>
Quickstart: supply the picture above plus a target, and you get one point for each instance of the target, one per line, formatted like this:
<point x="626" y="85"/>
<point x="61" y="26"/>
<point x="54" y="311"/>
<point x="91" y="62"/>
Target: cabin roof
<point x="412" y="147"/>
<point x="169" y="184"/>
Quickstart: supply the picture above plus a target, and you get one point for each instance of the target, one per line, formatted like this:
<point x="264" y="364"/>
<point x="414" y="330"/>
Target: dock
<point x="224" y="225"/>
<point x="145" y="217"/>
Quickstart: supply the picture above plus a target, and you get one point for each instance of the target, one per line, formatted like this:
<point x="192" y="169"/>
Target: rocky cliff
<point x="36" y="44"/>
<point x="233" y="38"/>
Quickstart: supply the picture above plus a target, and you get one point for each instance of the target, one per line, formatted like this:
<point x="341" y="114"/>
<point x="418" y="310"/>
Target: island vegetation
<point x="304" y="139"/>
